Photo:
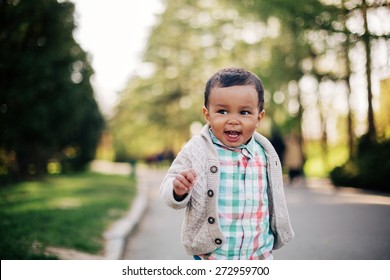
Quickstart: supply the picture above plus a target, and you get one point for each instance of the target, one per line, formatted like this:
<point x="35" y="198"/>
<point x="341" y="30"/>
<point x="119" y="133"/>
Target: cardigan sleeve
<point x="181" y="163"/>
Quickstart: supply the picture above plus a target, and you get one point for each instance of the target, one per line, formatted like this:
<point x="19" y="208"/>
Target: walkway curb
<point x="117" y="235"/>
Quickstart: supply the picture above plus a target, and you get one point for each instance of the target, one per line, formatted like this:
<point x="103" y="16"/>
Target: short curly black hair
<point x="229" y="77"/>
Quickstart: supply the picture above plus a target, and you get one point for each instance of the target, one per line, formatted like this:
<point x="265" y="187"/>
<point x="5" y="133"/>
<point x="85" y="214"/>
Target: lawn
<point x="70" y="211"/>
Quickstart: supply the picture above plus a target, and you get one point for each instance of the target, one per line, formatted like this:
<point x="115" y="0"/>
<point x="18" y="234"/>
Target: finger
<point x="190" y="175"/>
<point x="193" y="173"/>
<point x="179" y="187"/>
<point x="183" y="180"/>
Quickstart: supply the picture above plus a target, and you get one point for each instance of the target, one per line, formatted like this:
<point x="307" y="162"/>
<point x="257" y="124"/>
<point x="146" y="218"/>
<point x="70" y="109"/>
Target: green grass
<point x="65" y="211"/>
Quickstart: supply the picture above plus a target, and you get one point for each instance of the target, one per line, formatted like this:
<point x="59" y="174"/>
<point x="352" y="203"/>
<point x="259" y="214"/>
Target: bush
<point x="368" y="169"/>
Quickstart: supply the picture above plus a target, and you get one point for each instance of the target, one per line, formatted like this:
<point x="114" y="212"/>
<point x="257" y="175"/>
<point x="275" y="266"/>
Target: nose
<point x="233" y="119"/>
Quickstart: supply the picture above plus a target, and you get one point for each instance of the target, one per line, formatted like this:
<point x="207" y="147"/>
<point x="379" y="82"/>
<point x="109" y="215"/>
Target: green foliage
<point x="64" y="211"/>
<point x="48" y="106"/>
<point x="267" y="38"/>
<point x="369" y="169"/>
<point x="300" y="49"/>
<point x="157" y="109"/>
<point x="319" y="162"/>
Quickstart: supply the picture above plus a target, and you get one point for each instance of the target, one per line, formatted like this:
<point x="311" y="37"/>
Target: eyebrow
<point x="220" y="105"/>
<point x="247" y="107"/>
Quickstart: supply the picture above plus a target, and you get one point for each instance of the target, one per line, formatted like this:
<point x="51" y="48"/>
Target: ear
<point x="260" y="116"/>
<point x="206" y="115"/>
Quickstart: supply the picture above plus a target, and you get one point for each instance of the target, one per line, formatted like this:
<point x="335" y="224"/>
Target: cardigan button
<point x="213" y="169"/>
<point x="210" y="193"/>
<point x="218" y="241"/>
<point x="211" y="220"/>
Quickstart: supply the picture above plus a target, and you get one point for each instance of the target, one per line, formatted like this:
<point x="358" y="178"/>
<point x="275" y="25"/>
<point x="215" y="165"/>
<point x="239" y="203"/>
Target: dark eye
<point x="222" y="112"/>
<point x="245" y="113"/>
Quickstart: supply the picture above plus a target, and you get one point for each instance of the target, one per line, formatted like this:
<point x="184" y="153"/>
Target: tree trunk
<point x="347" y="47"/>
<point x="366" y="39"/>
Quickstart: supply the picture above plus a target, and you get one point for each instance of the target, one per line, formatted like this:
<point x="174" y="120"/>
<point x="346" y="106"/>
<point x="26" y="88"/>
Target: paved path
<point x="158" y="235"/>
<point x="329" y="224"/>
<point x="342" y="225"/>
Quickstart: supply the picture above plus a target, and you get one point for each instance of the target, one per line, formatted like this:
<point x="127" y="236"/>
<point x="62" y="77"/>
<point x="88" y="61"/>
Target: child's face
<point x="233" y="114"/>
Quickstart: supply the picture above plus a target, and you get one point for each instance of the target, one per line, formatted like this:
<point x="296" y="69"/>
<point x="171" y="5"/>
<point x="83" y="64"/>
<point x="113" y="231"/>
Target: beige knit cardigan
<point x="198" y="235"/>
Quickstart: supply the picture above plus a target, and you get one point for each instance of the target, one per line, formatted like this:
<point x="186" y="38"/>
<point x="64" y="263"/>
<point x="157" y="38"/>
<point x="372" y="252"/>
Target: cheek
<point x="215" y="120"/>
<point x="253" y="124"/>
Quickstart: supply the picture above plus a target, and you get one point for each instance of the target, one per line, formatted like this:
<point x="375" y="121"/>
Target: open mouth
<point x="232" y="135"/>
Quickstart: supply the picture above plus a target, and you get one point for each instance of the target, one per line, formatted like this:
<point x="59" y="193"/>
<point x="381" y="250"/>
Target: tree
<point x="369" y="13"/>
<point x="48" y="108"/>
<point x="331" y="28"/>
<point x="296" y="75"/>
<point x="192" y="40"/>
<point x="300" y="49"/>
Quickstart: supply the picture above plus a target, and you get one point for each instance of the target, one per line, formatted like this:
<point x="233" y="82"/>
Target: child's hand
<point x="184" y="182"/>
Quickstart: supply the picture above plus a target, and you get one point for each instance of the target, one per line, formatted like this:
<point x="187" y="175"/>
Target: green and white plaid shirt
<point x="243" y="203"/>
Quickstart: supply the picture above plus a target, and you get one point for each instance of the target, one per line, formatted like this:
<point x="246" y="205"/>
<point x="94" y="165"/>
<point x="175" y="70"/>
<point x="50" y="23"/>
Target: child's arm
<point x="183" y="183"/>
<point x="182" y="175"/>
